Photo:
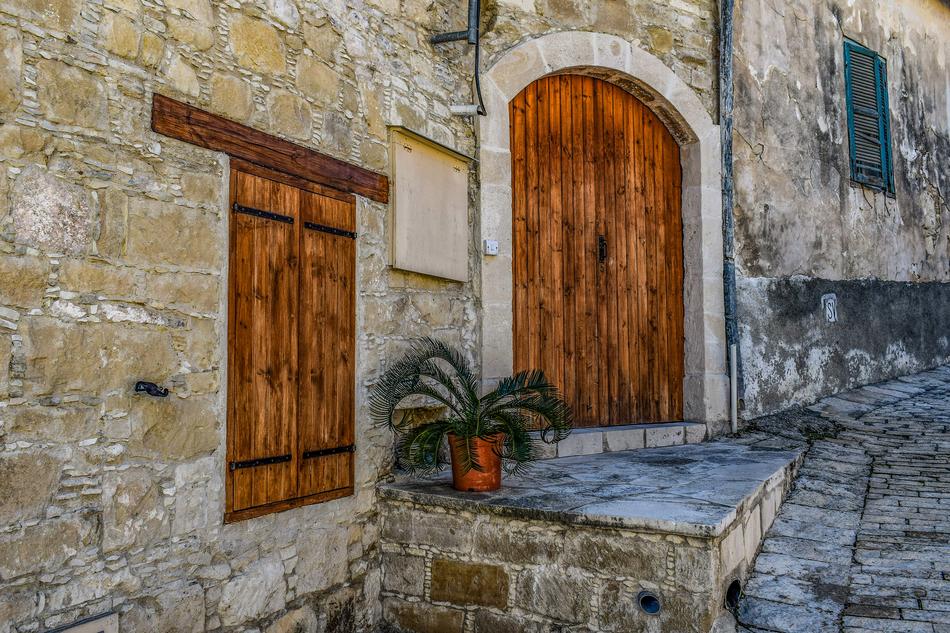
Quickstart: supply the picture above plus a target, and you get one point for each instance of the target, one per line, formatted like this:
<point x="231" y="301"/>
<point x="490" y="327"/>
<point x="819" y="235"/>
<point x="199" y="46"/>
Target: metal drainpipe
<point x="726" y="102"/>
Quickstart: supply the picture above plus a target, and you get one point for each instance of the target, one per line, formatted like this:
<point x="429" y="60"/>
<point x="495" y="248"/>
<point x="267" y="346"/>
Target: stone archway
<point x="637" y="71"/>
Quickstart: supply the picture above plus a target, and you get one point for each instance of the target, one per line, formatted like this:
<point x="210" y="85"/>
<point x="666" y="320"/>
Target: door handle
<point x="601" y="249"/>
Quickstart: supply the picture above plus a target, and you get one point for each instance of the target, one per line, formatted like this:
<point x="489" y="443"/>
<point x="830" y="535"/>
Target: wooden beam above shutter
<point x="186" y="123"/>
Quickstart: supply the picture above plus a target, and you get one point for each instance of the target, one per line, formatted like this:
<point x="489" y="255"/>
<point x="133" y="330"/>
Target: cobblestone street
<point x="862" y="543"/>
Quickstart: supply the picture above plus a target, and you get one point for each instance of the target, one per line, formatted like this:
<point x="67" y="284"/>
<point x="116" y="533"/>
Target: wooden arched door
<point x="598" y="250"/>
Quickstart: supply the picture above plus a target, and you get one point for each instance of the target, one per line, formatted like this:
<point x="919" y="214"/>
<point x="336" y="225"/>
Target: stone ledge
<point x="594" y="441"/>
<point x="689" y="490"/>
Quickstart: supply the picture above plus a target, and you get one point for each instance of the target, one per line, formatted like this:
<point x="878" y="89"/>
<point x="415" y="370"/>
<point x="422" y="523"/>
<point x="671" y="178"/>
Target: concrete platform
<point x="576" y="540"/>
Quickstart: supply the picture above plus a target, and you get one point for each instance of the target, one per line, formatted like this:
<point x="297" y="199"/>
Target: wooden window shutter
<point x="291" y="343"/>
<point x="262" y="354"/>
<point x="868" y="117"/>
<point x="326" y="345"/>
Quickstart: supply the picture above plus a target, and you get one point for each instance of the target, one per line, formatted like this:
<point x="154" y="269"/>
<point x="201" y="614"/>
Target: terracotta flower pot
<point x="488" y="456"/>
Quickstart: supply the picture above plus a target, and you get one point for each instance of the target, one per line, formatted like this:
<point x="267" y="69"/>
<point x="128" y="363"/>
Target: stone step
<point x="627" y="437"/>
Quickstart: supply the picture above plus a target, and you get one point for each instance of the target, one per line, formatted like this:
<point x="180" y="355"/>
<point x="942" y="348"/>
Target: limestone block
<point x="695" y="569"/>
<point x="200" y="344"/>
<point x="512" y="544"/>
<point x="55" y="14"/>
<point x="421" y="617"/>
<point x="202" y="188"/>
<point x="51" y="214"/>
<point x="661" y="40"/>
<point x="173" y="428"/>
<point x="285" y="12"/>
<point x="62" y="424"/>
<point x="178" y="608"/>
<point x="624" y="439"/>
<point x="182" y="77"/>
<point x="113" y="223"/>
<point x="257" y="591"/>
<point x="193" y="24"/>
<point x="620" y="554"/>
<point x="43" y="547"/>
<point x="92" y="357"/>
<point x="317" y="80"/>
<point x="469" y="583"/>
<point x="489" y="622"/>
<point x="323" y="39"/>
<point x="443" y="531"/>
<point x="192" y="292"/>
<point x="583" y="442"/>
<point x="119" y="35"/>
<point x="290" y="115"/>
<point x="556" y="593"/>
<point x="664" y="435"/>
<point x="300" y="620"/>
<point x="151" y="50"/>
<point x="732" y="551"/>
<point x="22" y="280"/>
<point x="6" y="349"/>
<point x="322" y="559"/>
<point x="133" y="513"/>
<point x="518" y="69"/>
<point x="11" y="66"/>
<point x="257" y="45"/>
<point x="231" y="97"/>
<point x="164" y="233"/>
<point x="80" y="275"/>
<point x="70" y="95"/>
<point x="752" y="533"/>
<point x="404" y="574"/>
<point x="695" y="433"/>
<point x="195" y="485"/>
<point x="27" y="482"/>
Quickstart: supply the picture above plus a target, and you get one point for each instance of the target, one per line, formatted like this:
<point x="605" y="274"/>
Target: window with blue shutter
<point x="869" y="130"/>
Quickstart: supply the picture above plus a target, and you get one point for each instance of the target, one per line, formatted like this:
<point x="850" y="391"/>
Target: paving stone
<point x="872" y="506"/>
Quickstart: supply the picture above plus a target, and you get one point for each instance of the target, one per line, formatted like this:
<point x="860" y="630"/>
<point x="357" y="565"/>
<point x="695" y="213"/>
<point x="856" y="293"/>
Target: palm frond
<point x="420" y="450"/>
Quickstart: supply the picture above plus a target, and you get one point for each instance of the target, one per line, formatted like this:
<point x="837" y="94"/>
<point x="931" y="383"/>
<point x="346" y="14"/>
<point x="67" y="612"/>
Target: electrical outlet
<point x="829" y="305"/>
<point x="491" y="247"/>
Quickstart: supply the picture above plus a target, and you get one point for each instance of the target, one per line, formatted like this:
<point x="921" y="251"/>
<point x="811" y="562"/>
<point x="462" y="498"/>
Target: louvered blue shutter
<point x="868" y="118"/>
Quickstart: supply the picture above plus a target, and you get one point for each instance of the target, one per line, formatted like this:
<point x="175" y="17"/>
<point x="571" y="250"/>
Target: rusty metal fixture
<point x="487" y="453"/>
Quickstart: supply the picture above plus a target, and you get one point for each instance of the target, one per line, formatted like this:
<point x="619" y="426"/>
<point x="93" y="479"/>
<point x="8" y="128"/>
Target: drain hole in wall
<point x="649" y="603"/>
<point x="733" y="593"/>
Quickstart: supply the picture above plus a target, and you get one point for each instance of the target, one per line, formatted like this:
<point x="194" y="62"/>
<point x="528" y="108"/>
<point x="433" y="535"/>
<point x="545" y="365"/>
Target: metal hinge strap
<point x="329" y="451"/>
<point x="313" y="226"/>
<point x="267" y="215"/>
<point x="264" y="461"/>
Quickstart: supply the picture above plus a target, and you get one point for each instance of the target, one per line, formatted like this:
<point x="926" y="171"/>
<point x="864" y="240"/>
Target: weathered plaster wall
<point x="112" y="269"/>
<point x="797" y="213"/>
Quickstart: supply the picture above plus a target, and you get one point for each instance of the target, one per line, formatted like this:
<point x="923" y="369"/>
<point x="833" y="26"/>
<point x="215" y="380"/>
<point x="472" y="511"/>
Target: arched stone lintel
<point x="616" y="60"/>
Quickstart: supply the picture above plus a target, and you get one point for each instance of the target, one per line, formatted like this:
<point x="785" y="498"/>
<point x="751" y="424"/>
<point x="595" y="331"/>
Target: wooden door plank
<point x="519" y="236"/>
<point x="624" y="269"/>
<point x="568" y="239"/>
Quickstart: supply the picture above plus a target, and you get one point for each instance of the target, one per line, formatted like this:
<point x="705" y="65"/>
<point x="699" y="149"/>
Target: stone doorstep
<point x="597" y="440"/>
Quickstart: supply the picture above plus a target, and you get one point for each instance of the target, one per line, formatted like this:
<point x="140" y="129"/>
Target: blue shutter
<point x="868" y="117"/>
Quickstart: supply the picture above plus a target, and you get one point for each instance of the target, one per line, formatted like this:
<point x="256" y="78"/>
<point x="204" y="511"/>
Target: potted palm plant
<point x="483" y="431"/>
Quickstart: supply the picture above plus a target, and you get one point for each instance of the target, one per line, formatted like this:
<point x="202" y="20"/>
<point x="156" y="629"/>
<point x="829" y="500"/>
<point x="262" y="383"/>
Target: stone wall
<point x="517" y="570"/>
<point x="798" y="214"/>
<point x="112" y="269"/>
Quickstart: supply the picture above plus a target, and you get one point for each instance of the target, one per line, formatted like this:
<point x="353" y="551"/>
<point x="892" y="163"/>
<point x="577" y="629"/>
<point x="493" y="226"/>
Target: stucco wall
<point x="112" y="269"/>
<point x="797" y="213"/>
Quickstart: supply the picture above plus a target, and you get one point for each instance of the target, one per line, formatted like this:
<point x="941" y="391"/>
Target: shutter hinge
<point x="313" y="226"/>
<point x="264" y="461"/>
<point x="329" y="451"/>
<point x="267" y="215"/>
